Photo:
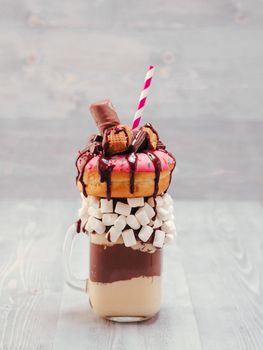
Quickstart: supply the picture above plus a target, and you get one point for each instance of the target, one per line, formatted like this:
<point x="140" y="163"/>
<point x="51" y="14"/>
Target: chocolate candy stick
<point x="104" y="115"/>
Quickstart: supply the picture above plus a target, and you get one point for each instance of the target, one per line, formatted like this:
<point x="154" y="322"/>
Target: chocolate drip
<point x="81" y="163"/>
<point x="132" y="160"/>
<point x="157" y="167"/>
<point x="78" y="226"/>
<point x="154" y="208"/>
<point x="118" y="263"/>
<point x="105" y="168"/>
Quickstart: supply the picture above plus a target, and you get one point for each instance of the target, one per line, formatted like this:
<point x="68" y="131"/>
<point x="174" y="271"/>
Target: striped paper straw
<point x="143" y="97"/>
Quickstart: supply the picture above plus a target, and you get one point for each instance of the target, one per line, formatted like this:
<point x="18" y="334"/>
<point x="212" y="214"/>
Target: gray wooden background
<point x="57" y="57"/>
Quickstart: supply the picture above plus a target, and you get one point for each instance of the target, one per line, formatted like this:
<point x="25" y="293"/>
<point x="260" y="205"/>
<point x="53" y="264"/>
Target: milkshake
<point x="123" y="176"/>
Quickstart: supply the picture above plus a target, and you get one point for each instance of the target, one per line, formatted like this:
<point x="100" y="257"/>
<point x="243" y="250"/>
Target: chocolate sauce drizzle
<point x="81" y="162"/>
<point x="157" y="167"/>
<point x="78" y="226"/>
<point x="105" y="168"/>
<point x="132" y="160"/>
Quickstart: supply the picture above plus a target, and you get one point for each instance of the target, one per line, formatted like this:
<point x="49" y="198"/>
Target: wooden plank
<point x="221" y="249"/>
<point x="31" y="278"/>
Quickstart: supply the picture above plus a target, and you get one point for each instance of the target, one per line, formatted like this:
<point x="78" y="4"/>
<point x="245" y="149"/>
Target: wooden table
<point x="206" y="101"/>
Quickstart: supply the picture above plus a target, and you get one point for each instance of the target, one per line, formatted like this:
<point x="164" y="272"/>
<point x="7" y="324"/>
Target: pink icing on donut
<point x="144" y="164"/>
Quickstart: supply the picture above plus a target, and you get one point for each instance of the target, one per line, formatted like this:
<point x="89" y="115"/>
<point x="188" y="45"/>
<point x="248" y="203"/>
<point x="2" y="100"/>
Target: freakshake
<point x="123" y="176"/>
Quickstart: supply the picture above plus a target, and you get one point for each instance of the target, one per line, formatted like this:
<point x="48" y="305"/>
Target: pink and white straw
<point x="143" y="97"/>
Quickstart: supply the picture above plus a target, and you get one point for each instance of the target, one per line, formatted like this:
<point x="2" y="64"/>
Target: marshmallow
<point x="171" y="209"/>
<point x="136" y="202"/>
<point x="142" y="217"/>
<point x="93" y="202"/>
<point x="122" y="209"/>
<point x="114" y="234"/>
<point x="95" y="212"/>
<point x="151" y="202"/>
<point x="96" y="225"/>
<point x="168" y="226"/>
<point x="83" y="214"/>
<point x="167" y="199"/>
<point x="168" y="239"/>
<point x="163" y="213"/>
<point x="172" y="217"/>
<point x="109" y="219"/>
<point x="133" y="222"/>
<point x="159" y="238"/>
<point x="128" y="238"/>
<point x="149" y="210"/>
<point x="145" y="233"/>
<point x="106" y="206"/>
<point x="88" y="228"/>
<point x="120" y="223"/>
<point x="159" y="201"/>
<point x="157" y="222"/>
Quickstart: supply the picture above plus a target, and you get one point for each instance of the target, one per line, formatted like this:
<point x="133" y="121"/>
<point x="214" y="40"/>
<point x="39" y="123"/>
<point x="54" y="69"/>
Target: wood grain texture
<point x="222" y="258"/>
<point x="31" y="277"/>
<point x="206" y="101"/>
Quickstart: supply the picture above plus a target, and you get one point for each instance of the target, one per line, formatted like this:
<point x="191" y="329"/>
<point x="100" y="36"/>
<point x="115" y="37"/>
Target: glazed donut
<point x="126" y="175"/>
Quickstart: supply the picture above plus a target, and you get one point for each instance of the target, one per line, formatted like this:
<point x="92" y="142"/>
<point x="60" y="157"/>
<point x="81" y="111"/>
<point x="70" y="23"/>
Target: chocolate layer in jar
<point x="118" y="263"/>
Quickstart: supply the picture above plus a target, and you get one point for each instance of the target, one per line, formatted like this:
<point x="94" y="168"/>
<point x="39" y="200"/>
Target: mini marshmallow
<point x="159" y="201"/>
<point x="122" y="209"/>
<point x="157" y="222"/>
<point x="142" y="217"/>
<point x="163" y="214"/>
<point x="136" y="202"/>
<point x="93" y="202"/>
<point x="114" y="234"/>
<point x="159" y="238"/>
<point x="96" y="225"/>
<point x="106" y="206"/>
<point x="109" y="219"/>
<point x="120" y="223"/>
<point x="83" y="214"/>
<point x="95" y="212"/>
<point x="151" y="202"/>
<point x="171" y="209"/>
<point x="149" y="210"/>
<point x="167" y="199"/>
<point x="145" y="233"/>
<point x="172" y="217"/>
<point x="133" y="222"/>
<point x="168" y="239"/>
<point x="128" y="238"/>
<point x="168" y="226"/>
<point x="88" y="228"/>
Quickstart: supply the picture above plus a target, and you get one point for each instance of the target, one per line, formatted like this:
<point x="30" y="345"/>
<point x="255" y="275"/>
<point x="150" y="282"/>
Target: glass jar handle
<point x="71" y="280"/>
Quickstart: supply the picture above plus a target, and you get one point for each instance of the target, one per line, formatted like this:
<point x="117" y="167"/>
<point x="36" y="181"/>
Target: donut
<point x="125" y="175"/>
